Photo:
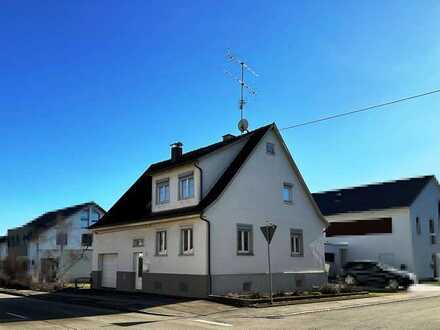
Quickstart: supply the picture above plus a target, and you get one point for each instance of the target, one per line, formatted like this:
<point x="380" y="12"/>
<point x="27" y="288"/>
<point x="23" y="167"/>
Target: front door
<point x="138" y="269"/>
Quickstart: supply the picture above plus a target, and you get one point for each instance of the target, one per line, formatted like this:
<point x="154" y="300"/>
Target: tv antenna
<point x="243" y="123"/>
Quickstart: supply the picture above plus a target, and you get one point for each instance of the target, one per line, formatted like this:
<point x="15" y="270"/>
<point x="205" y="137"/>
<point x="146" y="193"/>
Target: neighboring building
<point x="3" y="252"/>
<point x="190" y="225"/>
<point x="55" y="246"/>
<point x="396" y="223"/>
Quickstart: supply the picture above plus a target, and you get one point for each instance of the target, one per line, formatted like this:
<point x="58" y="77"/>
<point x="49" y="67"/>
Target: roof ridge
<point x="378" y="183"/>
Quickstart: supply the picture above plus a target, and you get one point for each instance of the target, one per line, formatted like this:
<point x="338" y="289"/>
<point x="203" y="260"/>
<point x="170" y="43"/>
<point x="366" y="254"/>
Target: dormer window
<point x="163" y="191"/>
<point x="186" y="186"/>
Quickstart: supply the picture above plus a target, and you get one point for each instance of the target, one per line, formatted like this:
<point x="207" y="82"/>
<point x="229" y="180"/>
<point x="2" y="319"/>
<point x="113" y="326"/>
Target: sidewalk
<point x="190" y="308"/>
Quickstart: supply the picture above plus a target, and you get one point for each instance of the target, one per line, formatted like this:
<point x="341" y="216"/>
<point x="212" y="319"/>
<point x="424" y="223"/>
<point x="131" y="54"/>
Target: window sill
<point x="296" y="255"/>
<point x="161" y="255"/>
<point x="245" y="254"/>
<point x="186" y="254"/>
<point x="288" y="202"/>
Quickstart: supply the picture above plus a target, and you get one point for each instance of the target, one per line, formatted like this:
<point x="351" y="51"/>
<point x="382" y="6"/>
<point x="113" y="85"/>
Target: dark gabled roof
<point x="135" y="204"/>
<point x="49" y="219"/>
<point x="378" y="196"/>
<point x="192" y="156"/>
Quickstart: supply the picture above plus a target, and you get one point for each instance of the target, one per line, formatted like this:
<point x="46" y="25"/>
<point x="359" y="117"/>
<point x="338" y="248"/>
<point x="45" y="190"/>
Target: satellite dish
<point x="243" y="125"/>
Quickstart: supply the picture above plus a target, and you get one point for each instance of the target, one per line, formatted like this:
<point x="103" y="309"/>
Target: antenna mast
<point x="243" y="124"/>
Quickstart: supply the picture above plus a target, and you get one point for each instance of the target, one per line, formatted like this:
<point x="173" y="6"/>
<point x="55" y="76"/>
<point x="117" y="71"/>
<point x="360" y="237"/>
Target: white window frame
<point x="161" y="243"/>
<point x="165" y="184"/>
<point x="296" y="243"/>
<point x="289" y="188"/>
<point x="244" y="231"/>
<point x="186" y="193"/>
<point x="188" y="241"/>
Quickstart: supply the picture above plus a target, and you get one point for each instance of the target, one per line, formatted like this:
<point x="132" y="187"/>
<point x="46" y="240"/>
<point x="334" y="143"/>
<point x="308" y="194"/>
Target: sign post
<point x="268" y="232"/>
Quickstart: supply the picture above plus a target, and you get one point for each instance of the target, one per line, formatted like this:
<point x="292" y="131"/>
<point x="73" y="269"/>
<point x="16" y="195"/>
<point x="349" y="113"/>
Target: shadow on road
<point x="71" y="304"/>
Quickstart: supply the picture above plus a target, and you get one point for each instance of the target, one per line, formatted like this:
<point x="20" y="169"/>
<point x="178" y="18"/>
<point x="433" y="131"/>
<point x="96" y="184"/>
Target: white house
<point x="56" y="246"/>
<point x="190" y="225"/>
<point x="396" y="223"/>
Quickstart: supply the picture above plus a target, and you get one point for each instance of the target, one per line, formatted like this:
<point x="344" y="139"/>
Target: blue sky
<point x="91" y="92"/>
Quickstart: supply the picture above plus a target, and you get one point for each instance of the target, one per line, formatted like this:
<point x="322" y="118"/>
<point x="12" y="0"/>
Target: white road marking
<point x="214" y="323"/>
<point x="18" y="316"/>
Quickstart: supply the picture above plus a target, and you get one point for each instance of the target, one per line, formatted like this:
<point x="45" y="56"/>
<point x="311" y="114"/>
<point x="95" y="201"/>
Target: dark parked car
<point x="375" y="274"/>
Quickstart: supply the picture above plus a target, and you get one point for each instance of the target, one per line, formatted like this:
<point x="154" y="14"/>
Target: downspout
<point x="209" y="231"/>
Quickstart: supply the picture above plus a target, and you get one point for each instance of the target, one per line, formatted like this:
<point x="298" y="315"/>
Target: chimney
<point x="176" y="150"/>
<point x="228" y="137"/>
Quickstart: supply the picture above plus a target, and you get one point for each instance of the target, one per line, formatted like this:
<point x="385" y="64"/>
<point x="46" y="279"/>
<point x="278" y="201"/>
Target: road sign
<point x="268" y="232"/>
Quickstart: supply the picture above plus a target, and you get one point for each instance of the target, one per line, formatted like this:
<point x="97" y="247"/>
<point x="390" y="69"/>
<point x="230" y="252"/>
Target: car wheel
<point x="350" y="280"/>
<point x="393" y="284"/>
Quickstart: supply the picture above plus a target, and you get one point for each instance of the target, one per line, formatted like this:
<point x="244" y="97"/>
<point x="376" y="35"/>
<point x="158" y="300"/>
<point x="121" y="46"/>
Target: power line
<point x="360" y="110"/>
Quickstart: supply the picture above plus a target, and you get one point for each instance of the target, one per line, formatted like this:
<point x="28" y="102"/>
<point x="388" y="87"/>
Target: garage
<point x="109" y="264"/>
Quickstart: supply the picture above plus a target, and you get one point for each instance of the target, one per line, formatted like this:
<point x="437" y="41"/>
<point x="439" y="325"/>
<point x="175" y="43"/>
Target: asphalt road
<point x="26" y="313"/>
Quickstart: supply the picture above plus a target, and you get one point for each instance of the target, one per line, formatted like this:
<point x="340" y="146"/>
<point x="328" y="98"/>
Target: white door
<point x="109" y="269"/>
<point x="138" y="269"/>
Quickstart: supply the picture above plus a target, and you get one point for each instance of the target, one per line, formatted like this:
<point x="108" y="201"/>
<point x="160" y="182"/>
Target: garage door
<point x="109" y="268"/>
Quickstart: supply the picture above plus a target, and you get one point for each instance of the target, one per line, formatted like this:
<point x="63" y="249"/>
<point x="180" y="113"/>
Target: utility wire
<point x="360" y="110"/>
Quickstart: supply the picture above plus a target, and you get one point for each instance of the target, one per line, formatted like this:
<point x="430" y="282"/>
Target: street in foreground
<point x="423" y="313"/>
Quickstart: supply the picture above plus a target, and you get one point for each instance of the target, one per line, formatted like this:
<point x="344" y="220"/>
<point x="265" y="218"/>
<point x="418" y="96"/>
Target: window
<point x="163" y="191"/>
<point x="296" y="243"/>
<point x="432" y="231"/>
<point x="138" y="242"/>
<point x="186" y="186"/>
<point x="86" y="239"/>
<point x="61" y="238"/>
<point x="186" y="237"/>
<point x="287" y="193"/>
<point x="270" y="148"/>
<point x="94" y="217"/>
<point x="85" y="216"/>
<point x="244" y="240"/>
<point x="418" y="226"/>
<point x="161" y="243"/>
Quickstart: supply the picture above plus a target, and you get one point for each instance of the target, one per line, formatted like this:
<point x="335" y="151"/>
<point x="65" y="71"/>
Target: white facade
<point x="76" y="259"/>
<point x="403" y="248"/>
<point x="252" y="197"/>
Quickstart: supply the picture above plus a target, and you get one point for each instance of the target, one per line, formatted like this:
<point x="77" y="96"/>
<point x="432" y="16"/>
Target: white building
<point x="396" y="223"/>
<point x="56" y="246"/>
<point x="190" y="225"/>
